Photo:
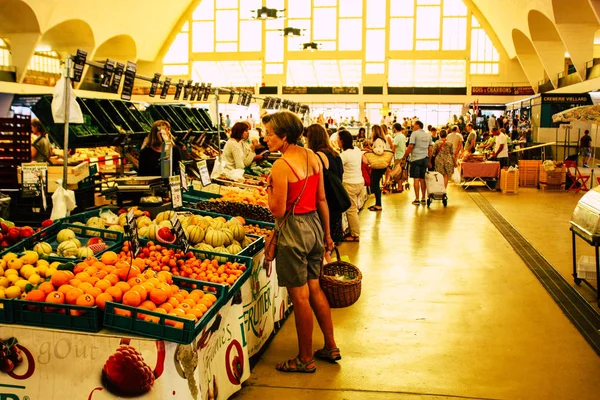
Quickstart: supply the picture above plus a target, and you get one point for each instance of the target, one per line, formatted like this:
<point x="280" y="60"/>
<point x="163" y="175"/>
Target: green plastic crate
<point x="57" y="316"/>
<point x="7" y="311"/>
<point x="162" y="330"/>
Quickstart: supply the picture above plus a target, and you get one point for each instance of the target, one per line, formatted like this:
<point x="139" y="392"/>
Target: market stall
<point x="478" y="172"/>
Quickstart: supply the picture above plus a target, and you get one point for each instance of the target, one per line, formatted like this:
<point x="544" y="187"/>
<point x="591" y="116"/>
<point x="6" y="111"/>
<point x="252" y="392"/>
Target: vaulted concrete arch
<point x="19" y="25"/>
<point x="68" y="36"/>
<point x="120" y="47"/>
<point x="577" y="24"/>
<point x="528" y="57"/>
<point x="547" y="43"/>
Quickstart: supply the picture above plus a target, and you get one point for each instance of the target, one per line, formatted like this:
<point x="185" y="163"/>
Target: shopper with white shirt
<point x="500" y="152"/>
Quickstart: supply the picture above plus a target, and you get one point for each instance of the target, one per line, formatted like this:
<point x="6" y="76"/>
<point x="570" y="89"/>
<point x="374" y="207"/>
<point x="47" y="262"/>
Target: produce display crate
<point x="586" y="268"/>
<point x="7" y="311"/>
<point x="509" y="181"/>
<point x="553" y="178"/>
<point x="247" y="211"/>
<point x="552" y="188"/>
<point x="529" y="173"/>
<point x="161" y="330"/>
<point x="58" y="316"/>
<point x="91" y="107"/>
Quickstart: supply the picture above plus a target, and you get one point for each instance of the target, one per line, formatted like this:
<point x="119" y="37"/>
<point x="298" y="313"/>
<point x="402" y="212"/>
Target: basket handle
<point x="337" y="253"/>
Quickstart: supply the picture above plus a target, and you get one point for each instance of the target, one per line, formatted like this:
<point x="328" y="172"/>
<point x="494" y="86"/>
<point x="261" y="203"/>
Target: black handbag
<point x="337" y="196"/>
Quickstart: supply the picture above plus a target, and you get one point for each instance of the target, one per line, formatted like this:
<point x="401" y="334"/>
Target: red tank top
<point x="308" y="201"/>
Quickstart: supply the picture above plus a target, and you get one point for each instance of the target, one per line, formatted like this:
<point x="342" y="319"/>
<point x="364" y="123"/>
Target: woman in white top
<point x="237" y="155"/>
<point x="389" y="145"/>
<point x="352" y="159"/>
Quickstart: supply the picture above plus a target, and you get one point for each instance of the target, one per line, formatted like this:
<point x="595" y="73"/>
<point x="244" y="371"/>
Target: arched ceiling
<point x="68" y="36"/>
<point x="17" y="17"/>
<point x="121" y="47"/>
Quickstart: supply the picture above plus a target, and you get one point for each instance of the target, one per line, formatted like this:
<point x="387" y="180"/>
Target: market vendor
<point x="40" y="148"/>
<point x="238" y="153"/>
<point x="152" y="148"/>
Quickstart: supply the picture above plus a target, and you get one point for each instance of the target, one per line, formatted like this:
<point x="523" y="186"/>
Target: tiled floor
<point x="448" y="310"/>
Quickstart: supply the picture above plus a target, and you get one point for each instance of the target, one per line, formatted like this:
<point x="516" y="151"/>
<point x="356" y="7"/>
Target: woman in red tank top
<point x="296" y="185"/>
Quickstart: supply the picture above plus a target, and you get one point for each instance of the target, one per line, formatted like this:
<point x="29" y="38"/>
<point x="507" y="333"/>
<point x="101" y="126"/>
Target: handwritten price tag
<point x="175" y="185"/>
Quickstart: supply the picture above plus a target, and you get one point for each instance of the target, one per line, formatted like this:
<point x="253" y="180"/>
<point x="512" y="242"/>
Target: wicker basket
<point x="339" y="293"/>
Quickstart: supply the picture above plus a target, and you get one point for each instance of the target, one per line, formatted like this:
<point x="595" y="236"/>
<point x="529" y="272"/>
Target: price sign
<point x="231" y="94"/>
<point x="175" y="185"/>
<point x="109" y="69"/>
<point x="178" y="89"/>
<point x="195" y="91"/>
<point x="187" y="90"/>
<point x="133" y="233"/>
<point x="182" y="174"/>
<point x="206" y="92"/>
<point x="79" y="63"/>
<point x="117" y="76"/>
<point x="128" y="81"/>
<point x="179" y="233"/>
<point x="154" y="86"/>
<point x="34" y="179"/>
<point x="204" y="175"/>
<point x="165" y="89"/>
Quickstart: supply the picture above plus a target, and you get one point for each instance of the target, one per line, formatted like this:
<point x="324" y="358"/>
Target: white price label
<point x="204" y="175"/>
<point x="175" y="184"/>
<point x="182" y="174"/>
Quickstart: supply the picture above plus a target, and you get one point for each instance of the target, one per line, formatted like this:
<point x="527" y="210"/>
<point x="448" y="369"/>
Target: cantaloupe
<point x="115" y="228"/>
<point x="195" y="234"/>
<point x="67" y="248"/>
<point x="84" y="252"/>
<point x="247" y="241"/>
<point x="42" y="248"/>
<point x="234" y="249"/>
<point x="165" y="223"/>
<point x="238" y="232"/>
<point x="221" y="219"/>
<point x="221" y="250"/>
<point x="228" y="237"/>
<point x="123" y="219"/>
<point x="143" y="232"/>
<point x="195" y="219"/>
<point x="217" y="224"/>
<point x="214" y="237"/>
<point x="96" y="222"/>
<point x="203" y="247"/>
<point x="164" y="216"/>
<point x="143" y="221"/>
<point x="152" y="229"/>
<point x="76" y="241"/>
<point x="64" y="235"/>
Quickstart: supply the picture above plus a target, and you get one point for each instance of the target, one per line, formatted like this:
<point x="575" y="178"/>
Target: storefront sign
<point x="204" y="175"/>
<point x="345" y="90"/>
<point x="175" y="185"/>
<point x="582" y="99"/>
<point x="294" y="90"/>
<point x="502" y="90"/>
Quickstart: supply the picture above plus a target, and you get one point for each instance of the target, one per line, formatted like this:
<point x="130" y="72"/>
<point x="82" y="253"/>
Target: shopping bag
<point x="58" y="104"/>
<point x="456" y="176"/>
<point x="217" y="169"/>
<point x="63" y="202"/>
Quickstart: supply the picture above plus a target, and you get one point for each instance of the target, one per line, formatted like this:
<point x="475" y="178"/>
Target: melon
<point x="143" y="221"/>
<point x="115" y="228"/>
<point x="76" y="241"/>
<point x="234" y="249"/>
<point x="203" y="247"/>
<point x="64" y="235"/>
<point x="221" y="250"/>
<point x="85" y="252"/>
<point x="195" y="219"/>
<point x="195" y="234"/>
<point x="168" y="224"/>
<point x="233" y="221"/>
<point x="42" y="248"/>
<point x="228" y="236"/>
<point x="123" y="219"/>
<point x="152" y="229"/>
<point x="217" y="225"/>
<point x="68" y="248"/>
<point x="214" y="237"/>
<point x="220" y="219"/>
<point x="143" y="232"/>
<point x="77" y="230"/>
<point x="238" y="232"/>
<point x="164" y="216"/>
<point x="96" y="222"/>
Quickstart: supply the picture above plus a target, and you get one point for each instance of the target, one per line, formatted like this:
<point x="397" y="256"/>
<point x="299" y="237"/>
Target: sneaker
<point x="416" y="202"/>
<point x="423" y="201"/>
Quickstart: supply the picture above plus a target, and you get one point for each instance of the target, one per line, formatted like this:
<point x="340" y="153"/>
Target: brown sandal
<point x="332" y="355"/>
<point x="300" y="366"/>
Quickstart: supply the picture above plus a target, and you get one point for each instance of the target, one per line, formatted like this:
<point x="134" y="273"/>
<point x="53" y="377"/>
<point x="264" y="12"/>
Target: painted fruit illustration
<point x="127" y="373"/>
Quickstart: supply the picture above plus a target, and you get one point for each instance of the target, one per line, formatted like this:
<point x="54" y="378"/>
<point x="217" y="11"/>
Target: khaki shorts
<point x="300" y="250"/>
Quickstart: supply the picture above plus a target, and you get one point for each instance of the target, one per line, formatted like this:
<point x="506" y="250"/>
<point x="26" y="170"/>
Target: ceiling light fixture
<point x="267" y="13"/>
<point x="311" y="46"/>
<point x="289" y="31"/>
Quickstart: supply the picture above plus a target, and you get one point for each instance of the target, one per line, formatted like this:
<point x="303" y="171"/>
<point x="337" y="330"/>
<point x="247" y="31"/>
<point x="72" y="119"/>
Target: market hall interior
<point x="448" y="310"/>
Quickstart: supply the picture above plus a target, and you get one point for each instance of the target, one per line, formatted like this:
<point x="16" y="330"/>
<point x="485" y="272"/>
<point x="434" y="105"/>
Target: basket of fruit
<point x="341" y="282"/>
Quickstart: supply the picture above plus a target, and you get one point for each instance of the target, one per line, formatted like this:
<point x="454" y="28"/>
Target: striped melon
<point x="96" y="222"/>
<point x="238" y="232"/>
<point x="77" y="230"/>
<point x="143" y="232"/>
<point x="152" y="229"/>
<point x="164" y="216"/>
<point x="247" y="241"/>
<point x="64" y="235"/>
<point x="115" y="228"/>
<point x="76" y="241"/>
<point x="42" y="248"/>
<point x="68" y="248"/>
<point x="168" y="224"/>
<point x="221" y="219"/>
<point x="214" y="237"/>
<point x="195" y="219"/>
<point x="195" y="234"/>
<point x="203" y="247"/>
<point x="221" y="250"/>
<point x="143" y="221"/>
<point x="123" y="219"/>
<point x="217" y="225"/>
<point x="85" y="252"/>
<point x="228" y="236"/>
<point x="234" y="249"/>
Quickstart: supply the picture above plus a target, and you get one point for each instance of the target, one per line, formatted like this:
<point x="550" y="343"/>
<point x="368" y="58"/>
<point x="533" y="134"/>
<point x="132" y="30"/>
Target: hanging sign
<point x="207" y="92"/>
<point x="78" y="64"/>
<point x="128" y="81"/>
<point x="231" y="94"/>
<point x="179" y="233"/>
<point x="154" y="86"/>
<point x="187" y="90"/>
<point x="178" y="89"/>
<point x="195" y="91"/>
<point x="175" y="186"/>
<point x="184" y="182"/>
<point x="116" y="82"/>
<point x="133" y="233"/>
<point x="204" y="175"/>
<point x="34" y="179"/>
<point x="248" y="99"/>
<point x="165" y="89"/>
<point x="109" y="69"/>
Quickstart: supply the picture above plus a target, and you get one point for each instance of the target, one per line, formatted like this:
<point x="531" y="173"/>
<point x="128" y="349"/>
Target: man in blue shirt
<point x="419" y="148"/>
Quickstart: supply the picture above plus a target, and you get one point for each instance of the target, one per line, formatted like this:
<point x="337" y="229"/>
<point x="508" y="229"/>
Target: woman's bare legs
<point x="304" y="320"/>
<point x="320" y="306"/>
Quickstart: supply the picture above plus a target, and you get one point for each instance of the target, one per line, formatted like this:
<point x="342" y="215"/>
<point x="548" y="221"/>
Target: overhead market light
<point x="311" y="46"/>
<point x="267" y="13"/>
<point x="292" y="31"/>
